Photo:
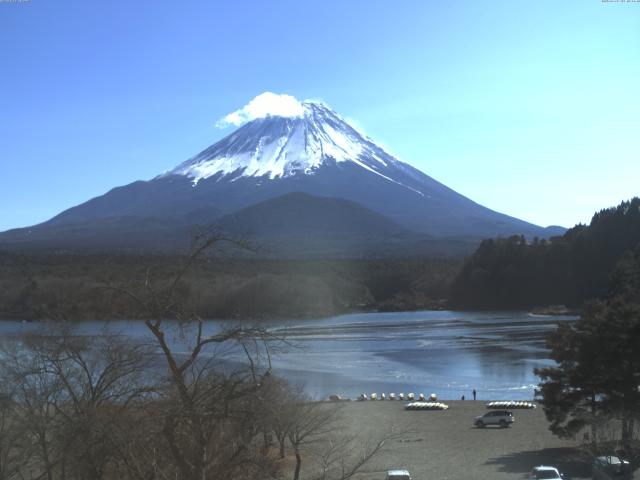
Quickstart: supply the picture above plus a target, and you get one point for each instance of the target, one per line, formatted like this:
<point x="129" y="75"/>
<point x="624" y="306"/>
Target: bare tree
<point x="343" y="456"/>
<point x="71" y="395"/>
<point x="34" y="396"/>
<point x="279" y="401"/>
<point x="314" y="429"/>
<point x="206" y="403"/>
<point x="310" y="423"/>
<point x="15" y="449"/>
<point x="101" y="378"/>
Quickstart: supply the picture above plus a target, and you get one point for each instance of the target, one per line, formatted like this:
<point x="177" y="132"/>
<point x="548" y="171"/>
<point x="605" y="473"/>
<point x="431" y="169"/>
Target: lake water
<point x="447" y="353"/>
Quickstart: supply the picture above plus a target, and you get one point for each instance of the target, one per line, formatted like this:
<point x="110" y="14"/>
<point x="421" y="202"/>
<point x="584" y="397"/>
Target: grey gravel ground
<point x="446" y="445"/>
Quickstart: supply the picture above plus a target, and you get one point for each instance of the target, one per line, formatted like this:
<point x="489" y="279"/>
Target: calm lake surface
<point x="447" y="353"/>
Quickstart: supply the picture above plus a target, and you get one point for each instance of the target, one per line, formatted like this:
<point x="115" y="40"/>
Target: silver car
<point x="545" y="472"/>
<point x="502" y="418"/>
<point x="398" y="475"/>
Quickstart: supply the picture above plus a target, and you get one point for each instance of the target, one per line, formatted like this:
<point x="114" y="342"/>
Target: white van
<point x="398" y="475"/>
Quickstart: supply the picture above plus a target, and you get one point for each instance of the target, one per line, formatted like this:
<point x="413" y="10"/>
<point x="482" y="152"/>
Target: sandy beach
<point x="446" y="445"/>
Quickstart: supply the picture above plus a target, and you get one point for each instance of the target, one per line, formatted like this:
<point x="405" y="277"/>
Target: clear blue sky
<point x="530" y="108"/>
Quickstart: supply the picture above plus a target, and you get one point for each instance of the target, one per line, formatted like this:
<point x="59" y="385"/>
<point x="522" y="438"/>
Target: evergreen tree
<point x="597" y="376"/>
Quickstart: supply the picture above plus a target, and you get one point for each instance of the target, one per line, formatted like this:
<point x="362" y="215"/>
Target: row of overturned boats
<point x="410" y="397"/>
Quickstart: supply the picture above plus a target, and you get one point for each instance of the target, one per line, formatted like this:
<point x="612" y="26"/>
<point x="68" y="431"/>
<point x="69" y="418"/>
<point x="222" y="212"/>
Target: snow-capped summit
<point x="266" y="104"/>
<point x="287" y="141"/>
<point x="295" y="170"/>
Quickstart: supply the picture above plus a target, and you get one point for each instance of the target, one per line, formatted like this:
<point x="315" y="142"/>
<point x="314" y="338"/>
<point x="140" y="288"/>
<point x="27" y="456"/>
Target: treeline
<point x="77" y="287"/>
<point x="516" y="273"/>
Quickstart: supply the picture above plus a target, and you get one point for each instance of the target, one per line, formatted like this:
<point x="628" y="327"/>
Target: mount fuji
<point x="293" y="173"/>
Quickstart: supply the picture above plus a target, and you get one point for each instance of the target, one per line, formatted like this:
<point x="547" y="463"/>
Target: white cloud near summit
<point x="264" y="105"/>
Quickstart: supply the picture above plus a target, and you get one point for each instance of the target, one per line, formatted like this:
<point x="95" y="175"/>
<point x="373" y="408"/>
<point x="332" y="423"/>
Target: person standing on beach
<point x="474" y="393"/>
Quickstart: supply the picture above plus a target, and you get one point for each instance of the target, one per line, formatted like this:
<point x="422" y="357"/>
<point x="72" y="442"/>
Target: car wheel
<point x="480" y="424"/>
<point x="503" y="424"/>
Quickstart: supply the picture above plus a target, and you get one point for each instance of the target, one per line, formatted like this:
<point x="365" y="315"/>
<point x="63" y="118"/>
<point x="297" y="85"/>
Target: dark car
<point x="609" y="467"/>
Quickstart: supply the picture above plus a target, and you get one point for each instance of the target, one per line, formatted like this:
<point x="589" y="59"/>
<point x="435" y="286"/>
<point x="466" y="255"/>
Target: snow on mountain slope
<point x="287" y="143"/>
<point x="283" y="146"/>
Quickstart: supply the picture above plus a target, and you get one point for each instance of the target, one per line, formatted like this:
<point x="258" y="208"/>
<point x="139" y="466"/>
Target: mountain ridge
<point x="315" y="151"/>
<point x="294" y="225"/>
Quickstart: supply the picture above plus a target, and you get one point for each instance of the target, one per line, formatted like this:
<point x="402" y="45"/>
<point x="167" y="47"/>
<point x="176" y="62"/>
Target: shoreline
<point x="309" y="316"/>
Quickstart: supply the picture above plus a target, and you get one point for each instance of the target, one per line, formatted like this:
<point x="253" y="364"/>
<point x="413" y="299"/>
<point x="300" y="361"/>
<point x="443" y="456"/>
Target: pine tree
<point x="597" y="376"/>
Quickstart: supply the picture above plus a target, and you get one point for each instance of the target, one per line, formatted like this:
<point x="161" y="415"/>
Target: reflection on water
<point x="448" y="353"/>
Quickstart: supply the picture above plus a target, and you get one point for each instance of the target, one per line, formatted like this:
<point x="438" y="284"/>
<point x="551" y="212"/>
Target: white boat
<point x="511" y="404"/>
<point x="426" y="406"/>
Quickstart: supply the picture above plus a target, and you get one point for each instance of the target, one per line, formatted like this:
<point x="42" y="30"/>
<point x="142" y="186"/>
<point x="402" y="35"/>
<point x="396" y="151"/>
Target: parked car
<point x="545" y="472"/>
<point x="398" y="475"/>
<point x="609" y="467"/>
<point x="503" y="418"/>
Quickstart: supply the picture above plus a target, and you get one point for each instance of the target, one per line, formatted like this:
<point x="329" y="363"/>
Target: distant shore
<point x="555" y="310"/>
